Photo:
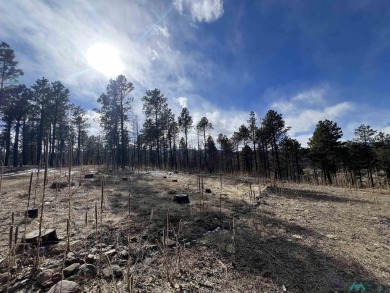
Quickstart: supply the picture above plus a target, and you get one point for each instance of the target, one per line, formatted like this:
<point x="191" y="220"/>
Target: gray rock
<point x="72" y="269"/>
<point x="71" y="258"/>
<point x="117" y="271"/>
<point x="18" y="285"/>
<point x="65" y="287"/>
<point x="110" y="252"/>
<point x="3" y="278"/>
<point x="91" y="258"/>
<point x="47" y="278"/>
<point x="124" y="254"/>
<point x="88" y="271"/>
<point x="114" y="270"/>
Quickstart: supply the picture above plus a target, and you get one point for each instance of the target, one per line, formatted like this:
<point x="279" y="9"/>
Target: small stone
<point x="88" y="271"/>
<point x="107" y="273"/>
<point x="91" y="258"/>
<point x="71" y="258"/>
<point x="76" y="245"/>
<point x="65" y="287"/>
<point x="110" y="252"/>
<point x="124" y="254"/>
<point x="117" y="271"/>
<point x="114" y="270"/>
<point x="72" y="269"/>
<point x="3" y="278"/>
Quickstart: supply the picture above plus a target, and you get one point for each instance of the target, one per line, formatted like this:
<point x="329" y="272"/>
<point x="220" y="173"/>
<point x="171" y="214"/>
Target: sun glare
<point x="105" y="59"/>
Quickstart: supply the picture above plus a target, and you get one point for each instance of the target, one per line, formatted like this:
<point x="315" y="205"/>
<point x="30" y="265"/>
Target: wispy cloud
<point x="200" y="10"/>
<point x="303" y="109"/>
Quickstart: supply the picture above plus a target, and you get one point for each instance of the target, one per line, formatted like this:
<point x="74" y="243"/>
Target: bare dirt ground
<point x="293" y="238"/>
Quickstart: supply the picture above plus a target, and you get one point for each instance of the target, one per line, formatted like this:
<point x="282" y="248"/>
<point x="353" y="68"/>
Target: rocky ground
<point x="235" y="235"/>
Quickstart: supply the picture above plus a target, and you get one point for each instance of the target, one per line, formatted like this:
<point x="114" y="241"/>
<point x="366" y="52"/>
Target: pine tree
<point x="155" y="104"/>
<point x="185" y="124"/>
<point x="324" y="145"/>
<point x="203" y="127"/>
<point x="8" y="70"/>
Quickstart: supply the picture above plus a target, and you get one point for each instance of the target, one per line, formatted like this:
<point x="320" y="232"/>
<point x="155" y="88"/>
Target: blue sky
<point x="309" y="60"/>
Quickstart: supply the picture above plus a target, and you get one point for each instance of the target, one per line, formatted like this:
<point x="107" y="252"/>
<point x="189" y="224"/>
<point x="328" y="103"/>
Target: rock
<point x="107" y="273"/>
<point x="110" y="252"/>
<point x="47" y="278"/>
<point x="3" y="278"/>
<point x="113" y="271"/>
<point x="169" y="242"/>
<point x="18" y="285"/>
<point x="72" y="269"/>
<point x="76" y="245"/>
<point x="123" y="254"/>
<point x="71" y="258"/>
<point x="117" y="271"/>
<point x="181" y="198"/>
<point x="48" y="236"/>
<point x="91" y="258"/>
<point x="88" y="271"/>
<point x="65" y="287"/>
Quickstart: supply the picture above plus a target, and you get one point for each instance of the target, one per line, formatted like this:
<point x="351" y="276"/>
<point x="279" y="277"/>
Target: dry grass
<point x="300" y="237"/>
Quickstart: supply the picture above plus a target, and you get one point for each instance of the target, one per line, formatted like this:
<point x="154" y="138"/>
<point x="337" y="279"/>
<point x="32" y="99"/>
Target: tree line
<point x="260" y="147"/>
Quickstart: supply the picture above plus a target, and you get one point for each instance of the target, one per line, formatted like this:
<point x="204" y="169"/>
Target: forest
<point x="32" y="115"/>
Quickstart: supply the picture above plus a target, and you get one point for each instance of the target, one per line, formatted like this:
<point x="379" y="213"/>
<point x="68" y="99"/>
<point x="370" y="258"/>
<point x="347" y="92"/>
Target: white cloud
<point x="201" y="10"/>
<point x="163" y="30"/>
<point x="311" y="96"/>
<point x="183" y="102"/>
<point x="93" y="120"/>
<point x="303" y="109"/>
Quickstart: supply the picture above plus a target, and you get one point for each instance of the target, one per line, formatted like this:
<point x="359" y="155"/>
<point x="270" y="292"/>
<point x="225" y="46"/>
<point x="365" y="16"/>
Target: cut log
<point x="181" y="198"/>
<point x="89" y="176"/>
<point x="48" y="236"/>
<point x="31" y="213"/>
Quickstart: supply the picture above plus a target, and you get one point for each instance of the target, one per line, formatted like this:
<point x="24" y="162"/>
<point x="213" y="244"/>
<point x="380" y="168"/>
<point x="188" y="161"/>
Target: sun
<point x="105" y="59"/>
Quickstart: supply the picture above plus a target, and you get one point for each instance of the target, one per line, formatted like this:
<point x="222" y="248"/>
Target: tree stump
<point x="31" y="213"/>
<point x="48" y="236"/>
<point x="181" y="198"/>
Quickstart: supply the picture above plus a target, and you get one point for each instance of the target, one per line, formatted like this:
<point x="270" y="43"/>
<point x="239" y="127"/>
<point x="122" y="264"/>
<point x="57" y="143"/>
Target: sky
<point x="308" y="60"/>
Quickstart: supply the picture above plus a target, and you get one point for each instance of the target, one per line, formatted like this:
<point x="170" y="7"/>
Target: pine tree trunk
<point x="16" y="144"/>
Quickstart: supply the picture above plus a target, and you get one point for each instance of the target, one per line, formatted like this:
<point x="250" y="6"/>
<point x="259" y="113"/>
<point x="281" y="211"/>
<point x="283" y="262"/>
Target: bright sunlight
<point x="105" y="59"/>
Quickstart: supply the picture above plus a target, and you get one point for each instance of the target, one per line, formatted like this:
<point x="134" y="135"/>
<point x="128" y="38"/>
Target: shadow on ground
<point x="298" y="267"/>
<point x="317" y="196"/>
